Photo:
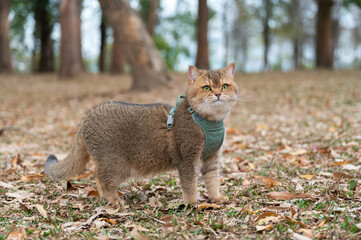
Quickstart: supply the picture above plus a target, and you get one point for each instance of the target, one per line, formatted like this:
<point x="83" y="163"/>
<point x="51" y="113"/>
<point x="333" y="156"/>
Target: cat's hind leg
<point x="108" y="179"/>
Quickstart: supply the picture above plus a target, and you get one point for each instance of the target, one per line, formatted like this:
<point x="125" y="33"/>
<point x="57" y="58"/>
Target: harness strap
<point x="172" y="111"/>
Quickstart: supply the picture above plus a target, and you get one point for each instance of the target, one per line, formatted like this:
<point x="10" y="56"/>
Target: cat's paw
<point x="219" y="199"/>
<point x="118" y="204"/>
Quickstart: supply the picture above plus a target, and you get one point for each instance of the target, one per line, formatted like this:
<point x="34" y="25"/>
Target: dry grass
<point x="297" y="133"/>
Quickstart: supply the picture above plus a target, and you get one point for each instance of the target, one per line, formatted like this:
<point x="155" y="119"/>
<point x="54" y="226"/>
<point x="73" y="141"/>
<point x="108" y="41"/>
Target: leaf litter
<point x="291" y="165"/>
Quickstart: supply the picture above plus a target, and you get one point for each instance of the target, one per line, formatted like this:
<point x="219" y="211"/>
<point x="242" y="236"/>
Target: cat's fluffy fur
<point x="129" y="140"/>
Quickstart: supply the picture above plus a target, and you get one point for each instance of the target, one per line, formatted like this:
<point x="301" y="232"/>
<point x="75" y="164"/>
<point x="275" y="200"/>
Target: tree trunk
<point x="266" y="32"/>
<point x="225" y="32"/>
<point x="202" y="60"/>
<point x="43" y="30"/>
<point x="152" y="16"/>
<point x="6" y="65"/>
<point x="71" y="61"/>
<point x="295" y="15"/>
<point x="147" y="67"/>
<point x="324" y="42"/>
<point x="118" y="60"/>
<point x="103" y="43"/>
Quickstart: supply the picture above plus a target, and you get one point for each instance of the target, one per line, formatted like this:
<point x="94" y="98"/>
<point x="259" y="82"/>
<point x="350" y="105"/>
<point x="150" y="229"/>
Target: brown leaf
<point x="16" y="161"/>
<point x="137" y="235"/>
<point x="266" y="214"/>
<point x="9" y="171"/>
<point x="16" y="234"/>
<point x="307" y="176"/>
<point x="339" y="163"/>
<point x="269" y="182"/>
<point x="208" y="206"/>
<point x="93" y="193"/>
<point x="302" y="162"/>
<point x="288" y="219"/>
<point x="287" y="196"/>
<point x="111" y="221"/>
<point x="264" y="228"/>
<point x="339" y="175"/>
<point x="41" y="210"/>
<point x="307" y="232"/>
<point x="32" y="177"/>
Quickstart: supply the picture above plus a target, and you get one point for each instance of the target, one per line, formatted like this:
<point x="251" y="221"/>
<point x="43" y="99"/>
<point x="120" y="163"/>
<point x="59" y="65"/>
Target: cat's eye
<point x="207" y="88"/>
<point x="225" y="86"/>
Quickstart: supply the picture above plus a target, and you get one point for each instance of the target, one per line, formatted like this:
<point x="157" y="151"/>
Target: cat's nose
<point x="218" y="95"/>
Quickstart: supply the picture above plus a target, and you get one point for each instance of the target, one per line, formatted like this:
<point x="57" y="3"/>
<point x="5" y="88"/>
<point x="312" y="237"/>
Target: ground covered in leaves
<point x="291" y="166"/>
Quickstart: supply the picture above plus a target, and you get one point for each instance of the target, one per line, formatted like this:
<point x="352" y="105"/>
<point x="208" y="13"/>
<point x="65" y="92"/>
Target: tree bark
<point x="71" y="60"/>
<point x="266" y="32"/>
<point x="118" y="60"/>
<point x="152" y="16"/>
<point x="6" y="65"/>
<point x="324" y="42"/>
<point x="43" y="30"/>
<point x="103" y="40"/>
<point x="202" y="60"/>
<point x="147" y="67"/>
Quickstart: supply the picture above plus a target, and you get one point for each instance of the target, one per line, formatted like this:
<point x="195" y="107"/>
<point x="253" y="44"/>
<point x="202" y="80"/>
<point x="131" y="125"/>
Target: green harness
<point x="213" y="130"/>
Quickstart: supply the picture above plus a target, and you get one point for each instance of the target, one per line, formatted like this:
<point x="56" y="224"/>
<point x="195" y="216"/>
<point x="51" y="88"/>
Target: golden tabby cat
<point x="129" y="140"/>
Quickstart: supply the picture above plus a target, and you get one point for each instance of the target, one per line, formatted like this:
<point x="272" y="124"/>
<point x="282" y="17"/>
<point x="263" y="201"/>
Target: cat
<point x="129" y="140"/>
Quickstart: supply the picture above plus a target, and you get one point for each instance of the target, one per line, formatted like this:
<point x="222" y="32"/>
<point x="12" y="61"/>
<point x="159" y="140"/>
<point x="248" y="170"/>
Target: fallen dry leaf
<point x="269" y="182"/>
<point x="7" y="172"/>
<point x="135" y="233"/>
<point x="32" y="177"/>
<point x="266" y="214"/>
<point x="41" y="210"/>
<point x="339" y="163"/>
<point x="307" y="176"/>
<point x="16" y="161"/>
<point x="111" y="221"/>
<point x="302" y="162"/>
<point x="307" y="232"/>
<point x="84" y="175"/>
<point x="287" y="196"/>
<point x="288" y="219"/>
<point x="208" y="206"/>
<point x="339" y="175"/>
<point x="16" y="234"/>
<point x="263" y="228"/>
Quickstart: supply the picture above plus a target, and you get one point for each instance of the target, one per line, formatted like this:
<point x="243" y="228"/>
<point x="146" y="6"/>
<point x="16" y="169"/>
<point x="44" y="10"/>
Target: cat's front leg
<point x="210" y="174"/>
<point x="188" y="178"/>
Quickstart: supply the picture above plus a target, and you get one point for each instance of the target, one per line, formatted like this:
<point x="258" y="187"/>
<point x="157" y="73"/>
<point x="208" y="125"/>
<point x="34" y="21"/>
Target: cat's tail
<point x="72" y="165"/>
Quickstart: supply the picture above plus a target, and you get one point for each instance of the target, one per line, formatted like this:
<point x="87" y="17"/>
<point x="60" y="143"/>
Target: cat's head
<point x="212" y="94"/>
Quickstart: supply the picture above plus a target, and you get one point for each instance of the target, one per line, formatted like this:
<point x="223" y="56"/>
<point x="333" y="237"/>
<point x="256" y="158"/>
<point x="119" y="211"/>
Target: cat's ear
<point x="230" y="69"/>
<point x="193" y="73"/>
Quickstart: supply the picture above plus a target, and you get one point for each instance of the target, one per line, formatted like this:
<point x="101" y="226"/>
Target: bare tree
<point x="268" y="8"/>
<point x="6" y="65"/>
<point x="324" y="41"/>
<point x="147" y="67"/>
<point x="71" y="61"/>
<point x="103" y="42"/>
<point x="202" y="60"/>
<point x="118" y="59"/>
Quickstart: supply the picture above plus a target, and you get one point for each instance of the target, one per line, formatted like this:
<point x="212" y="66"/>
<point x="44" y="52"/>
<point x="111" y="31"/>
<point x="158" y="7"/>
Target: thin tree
<point x="118" y="59"/>
<point x="147" y="67"/>
<point x="103" y="43"/>
<point x="324" y="41"/>
<point x="6" y="65"/>
<point x="268" y="5"/>
<point x="71" y="61"/>
<point x="202" y="60"/>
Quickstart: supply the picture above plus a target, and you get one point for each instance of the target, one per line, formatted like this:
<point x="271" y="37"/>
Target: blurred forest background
<point x="71" y="36"/>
